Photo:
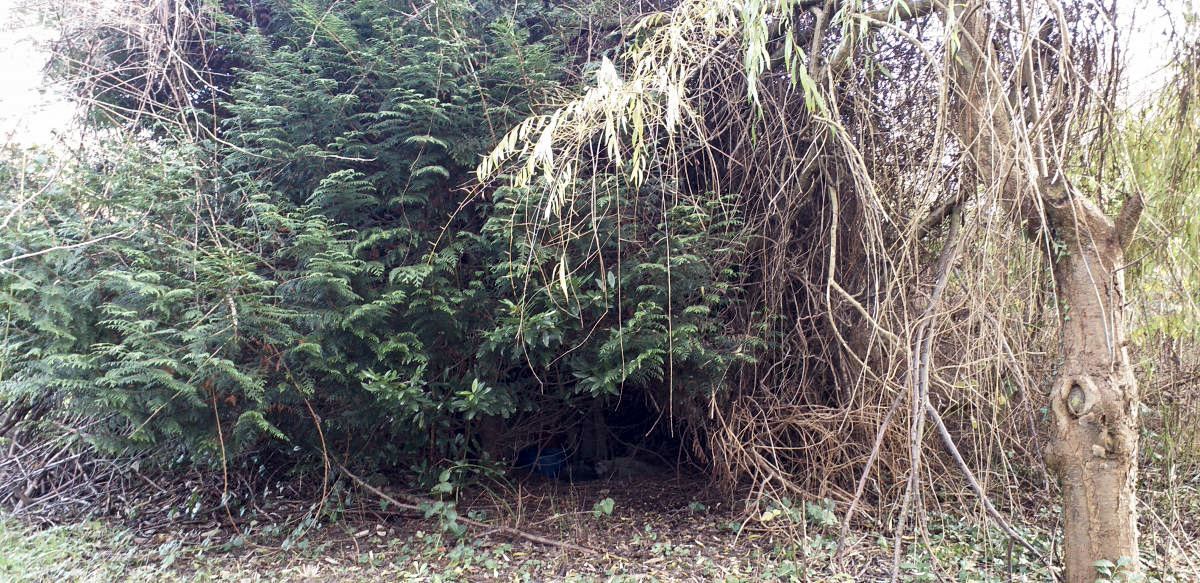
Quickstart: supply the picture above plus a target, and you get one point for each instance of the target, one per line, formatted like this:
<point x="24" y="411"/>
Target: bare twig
<point x="89" y="242"/>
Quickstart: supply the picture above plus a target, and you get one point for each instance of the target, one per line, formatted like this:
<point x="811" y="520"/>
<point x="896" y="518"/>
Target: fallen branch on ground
<point x="948" y="441"/>
<point x="416" y="502"/>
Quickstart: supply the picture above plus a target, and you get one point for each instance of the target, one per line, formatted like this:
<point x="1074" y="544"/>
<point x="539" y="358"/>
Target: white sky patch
<point x="31" y="112"/>
<point x="1146" y="26"/>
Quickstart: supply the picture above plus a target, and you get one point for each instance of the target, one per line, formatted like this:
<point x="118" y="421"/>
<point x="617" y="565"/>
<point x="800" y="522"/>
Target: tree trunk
<point x="1094" y="443"/>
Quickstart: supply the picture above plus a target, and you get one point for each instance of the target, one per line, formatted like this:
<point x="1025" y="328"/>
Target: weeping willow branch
<point x="845" y="136"/>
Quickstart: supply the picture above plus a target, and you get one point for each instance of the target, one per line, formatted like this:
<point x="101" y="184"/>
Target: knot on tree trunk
<point x="1090" y="418"/>
<point x="1072" y="399"/>
<point x="1074" y="396"/>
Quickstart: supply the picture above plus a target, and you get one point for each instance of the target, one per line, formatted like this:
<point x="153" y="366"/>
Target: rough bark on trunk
<point x="1093" y="448"/>
<point x="1094" y="442"/>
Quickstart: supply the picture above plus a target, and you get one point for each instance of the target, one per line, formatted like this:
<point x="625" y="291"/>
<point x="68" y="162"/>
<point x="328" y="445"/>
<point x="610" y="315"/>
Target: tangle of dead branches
<point x="828" y="123"/>
<point x="826" y="126"/>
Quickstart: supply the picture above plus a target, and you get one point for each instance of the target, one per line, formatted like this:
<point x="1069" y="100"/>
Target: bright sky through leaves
<point x="32" y="114"/>
<point x="29" y="112"/>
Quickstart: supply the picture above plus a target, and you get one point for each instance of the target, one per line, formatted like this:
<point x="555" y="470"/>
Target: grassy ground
<point x="660" y="531"/>
<point x="98" y="552"/>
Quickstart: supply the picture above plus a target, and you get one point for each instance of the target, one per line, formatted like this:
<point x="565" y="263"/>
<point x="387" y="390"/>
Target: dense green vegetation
<point x="317" y="253"/>
<point x="271" y="251"/>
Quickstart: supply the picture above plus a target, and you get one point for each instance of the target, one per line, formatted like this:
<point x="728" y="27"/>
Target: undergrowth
<point x="688" y="540"/>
